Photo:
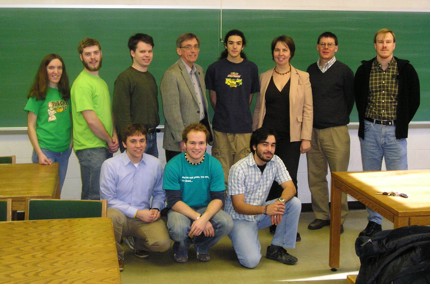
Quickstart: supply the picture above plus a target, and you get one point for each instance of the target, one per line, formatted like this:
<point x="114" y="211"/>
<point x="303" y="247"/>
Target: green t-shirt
<point x="89" y="92"/>
<point x="53" y="123"/>
<point x="194" y="181"/>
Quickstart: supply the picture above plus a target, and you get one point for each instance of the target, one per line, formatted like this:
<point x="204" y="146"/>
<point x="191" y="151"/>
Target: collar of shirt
<point x="376" y="65"/>
<point x="189" y="69"/>
<point x="252" y="162"/>
<point x="126" y="160"/>
<point x="326" y="66"/>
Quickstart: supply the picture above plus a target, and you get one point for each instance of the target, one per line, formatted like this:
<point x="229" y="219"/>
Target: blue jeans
<point x="90" y="161"/>
<point x="179" y="227"/>
<point x="61" y="157"/>
<point x="152" y="144"/>
<point x="380" y="142"/>
<point x="245" y="234"/>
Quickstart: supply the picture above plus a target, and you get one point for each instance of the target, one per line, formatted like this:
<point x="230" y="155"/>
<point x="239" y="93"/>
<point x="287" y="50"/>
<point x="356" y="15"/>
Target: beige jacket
<point x="301" y="104"/>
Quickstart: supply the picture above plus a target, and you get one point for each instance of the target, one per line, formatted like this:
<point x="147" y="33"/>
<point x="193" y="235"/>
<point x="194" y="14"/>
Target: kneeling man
<point x="194" y="185"/>
<point x="250" y="180"/>
<point x="131" y="182"/>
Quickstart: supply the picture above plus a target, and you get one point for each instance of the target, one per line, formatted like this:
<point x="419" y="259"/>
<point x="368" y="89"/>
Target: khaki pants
<point x="148" y="236"/>
<point x="329" y="147"/>
<point x="229" y="148"/>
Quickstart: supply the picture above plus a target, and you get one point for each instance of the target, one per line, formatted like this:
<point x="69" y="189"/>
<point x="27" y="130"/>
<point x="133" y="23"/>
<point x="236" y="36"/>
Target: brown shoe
<point x="121" y="264"/>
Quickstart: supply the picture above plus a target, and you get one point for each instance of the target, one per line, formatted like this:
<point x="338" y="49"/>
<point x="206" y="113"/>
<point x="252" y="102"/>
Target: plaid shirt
<point x="383" y="98"/>
<point x="246" y="178"/>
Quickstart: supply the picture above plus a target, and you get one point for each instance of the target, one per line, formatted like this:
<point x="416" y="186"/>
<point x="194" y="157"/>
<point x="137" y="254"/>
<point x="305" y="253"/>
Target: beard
<point x="92" y="68"/>
<point x="262" y="157"/>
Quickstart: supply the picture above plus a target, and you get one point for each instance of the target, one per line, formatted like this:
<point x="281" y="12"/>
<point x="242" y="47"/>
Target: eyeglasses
<point x="329" y="45"/>
<point x="394" y="194"/>
<point x="189" y="48"/>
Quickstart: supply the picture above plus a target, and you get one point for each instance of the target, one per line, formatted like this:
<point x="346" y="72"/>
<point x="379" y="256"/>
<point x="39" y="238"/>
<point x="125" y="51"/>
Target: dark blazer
<point x="408" y="95"/>
<point x="180" y="103"/>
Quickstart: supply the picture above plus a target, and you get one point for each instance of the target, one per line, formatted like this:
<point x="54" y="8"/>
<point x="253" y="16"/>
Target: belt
<point x="382" y="122"/>
<point x="152" y="130"/>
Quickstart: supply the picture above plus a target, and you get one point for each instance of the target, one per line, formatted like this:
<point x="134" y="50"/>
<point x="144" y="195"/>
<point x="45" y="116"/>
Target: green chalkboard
<point x="26" y="35"/>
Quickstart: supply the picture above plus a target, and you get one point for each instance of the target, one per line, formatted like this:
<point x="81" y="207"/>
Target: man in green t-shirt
<point x="94" y="138"/>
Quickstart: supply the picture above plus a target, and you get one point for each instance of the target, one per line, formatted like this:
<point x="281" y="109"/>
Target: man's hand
<point x="148" y="216"/>
<point x="200" y="226"/>
<point x="276" y="211"/>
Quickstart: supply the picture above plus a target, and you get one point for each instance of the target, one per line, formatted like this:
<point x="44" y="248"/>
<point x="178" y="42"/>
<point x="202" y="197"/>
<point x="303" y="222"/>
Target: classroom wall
<point x="15" y="141"/>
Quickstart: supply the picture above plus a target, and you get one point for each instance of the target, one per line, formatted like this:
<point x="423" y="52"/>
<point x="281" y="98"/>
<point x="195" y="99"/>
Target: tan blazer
<point x="180" y="105"/>
<point x="301" y="104"/>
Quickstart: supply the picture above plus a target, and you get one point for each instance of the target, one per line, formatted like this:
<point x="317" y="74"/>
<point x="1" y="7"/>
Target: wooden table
<point x="22" y="181"/>
<point x="58" y="251"/>
<point x="367" y="187"/>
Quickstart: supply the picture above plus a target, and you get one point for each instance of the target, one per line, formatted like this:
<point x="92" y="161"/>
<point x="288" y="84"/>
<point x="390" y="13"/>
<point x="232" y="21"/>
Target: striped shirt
<point x="246" y="178"/>
<point x="383" y="97"/>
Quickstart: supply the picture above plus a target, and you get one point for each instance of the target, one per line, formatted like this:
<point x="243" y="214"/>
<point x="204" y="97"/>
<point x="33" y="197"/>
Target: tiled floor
<point x="312" y="252"/>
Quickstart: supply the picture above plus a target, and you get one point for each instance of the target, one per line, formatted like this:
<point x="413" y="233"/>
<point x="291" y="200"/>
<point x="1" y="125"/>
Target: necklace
<point x="194" y="164"/>
<point x="281" y="73"/>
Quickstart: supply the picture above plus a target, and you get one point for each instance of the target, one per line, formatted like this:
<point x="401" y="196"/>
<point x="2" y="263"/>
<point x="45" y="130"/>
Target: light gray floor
<point x="312" y="252"/>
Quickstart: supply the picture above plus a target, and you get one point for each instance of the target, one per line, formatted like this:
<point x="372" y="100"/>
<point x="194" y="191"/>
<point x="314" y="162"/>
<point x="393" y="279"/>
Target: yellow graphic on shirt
<point x="56" y="107"/>
<point x="233" y="80"/>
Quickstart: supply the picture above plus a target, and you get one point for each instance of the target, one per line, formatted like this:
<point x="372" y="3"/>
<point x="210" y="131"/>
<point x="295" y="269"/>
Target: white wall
<point x="418" y="153"/>
<point x="335" y="5"/>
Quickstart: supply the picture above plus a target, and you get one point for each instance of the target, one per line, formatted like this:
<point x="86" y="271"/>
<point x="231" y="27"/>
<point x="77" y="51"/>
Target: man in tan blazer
<point x="183" y="95"/>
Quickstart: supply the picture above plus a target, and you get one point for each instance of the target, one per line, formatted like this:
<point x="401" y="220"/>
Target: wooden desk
<point x="58" y="251"/>
<point x="22" y="181"/>
<point x="367" y="187"/>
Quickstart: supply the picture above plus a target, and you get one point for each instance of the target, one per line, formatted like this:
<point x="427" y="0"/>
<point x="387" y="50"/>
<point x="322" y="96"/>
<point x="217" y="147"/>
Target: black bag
<point x="395" y="256"/>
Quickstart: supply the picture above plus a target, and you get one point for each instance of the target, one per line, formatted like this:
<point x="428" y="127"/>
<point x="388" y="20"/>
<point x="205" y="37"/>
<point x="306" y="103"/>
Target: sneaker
<point x="180" y="255"/>
<point x="142" y="253"/>
<point x="121" y="264"/>
<point x="203" y="257"/>
<point x="371" y="229"/>
<point x="202" y="254"/>
<point x="280" y="254"/>
<point x="318" y="224"/>
<point x="130" y="241"/>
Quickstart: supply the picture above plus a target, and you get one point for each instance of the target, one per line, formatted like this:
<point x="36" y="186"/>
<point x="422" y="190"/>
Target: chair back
<point x="5" y="209"/>
<point x="58" y="209"/>
<point x="8" y="159"/>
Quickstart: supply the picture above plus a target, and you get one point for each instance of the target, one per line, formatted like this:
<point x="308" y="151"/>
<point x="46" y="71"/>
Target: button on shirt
<point x="198" y="91"/>
<point x="130" y="188"/>
<point x="383" y="97"/>
<point x="246" y="178"/>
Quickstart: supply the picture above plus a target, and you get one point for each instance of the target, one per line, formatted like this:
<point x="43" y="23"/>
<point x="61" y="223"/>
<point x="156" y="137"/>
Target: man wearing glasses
<point x="333" y="99"/>
<point x="183" y="95"/>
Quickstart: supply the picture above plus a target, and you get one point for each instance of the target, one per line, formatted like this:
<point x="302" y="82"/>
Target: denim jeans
<point x="152" y="144"/>
<point x="90" y="162"/>
<point x="380" y="142"/>
<point x="245" y="234"/>
<point x="179" y="227"/>
<point x="61" y="157"/>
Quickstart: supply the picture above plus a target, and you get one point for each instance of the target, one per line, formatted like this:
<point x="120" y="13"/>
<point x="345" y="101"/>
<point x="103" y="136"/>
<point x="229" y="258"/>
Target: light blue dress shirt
<point x="130" y="188"/>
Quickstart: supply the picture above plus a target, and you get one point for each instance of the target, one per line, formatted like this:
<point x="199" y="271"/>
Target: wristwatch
<point x="281" y="200"/>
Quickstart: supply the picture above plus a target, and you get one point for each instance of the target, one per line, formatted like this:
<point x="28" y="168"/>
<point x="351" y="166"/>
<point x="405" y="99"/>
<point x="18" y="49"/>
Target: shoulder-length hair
<point x="41" y="81"/>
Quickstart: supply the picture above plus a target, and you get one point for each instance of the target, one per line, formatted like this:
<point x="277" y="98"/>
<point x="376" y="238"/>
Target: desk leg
<point x="334" y="238"/>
